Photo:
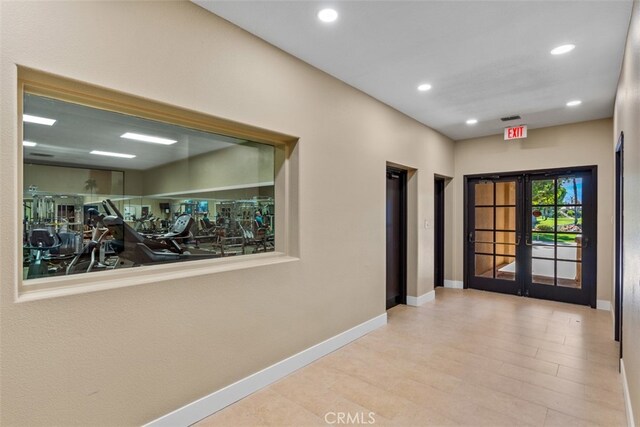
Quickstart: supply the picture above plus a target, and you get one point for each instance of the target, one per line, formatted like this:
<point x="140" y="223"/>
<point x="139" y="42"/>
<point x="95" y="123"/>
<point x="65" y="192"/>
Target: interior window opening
<point x="104" y="190"/>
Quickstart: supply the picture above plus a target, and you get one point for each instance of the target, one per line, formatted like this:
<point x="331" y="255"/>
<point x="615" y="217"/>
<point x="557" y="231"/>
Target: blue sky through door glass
<point x="570" y="191"/>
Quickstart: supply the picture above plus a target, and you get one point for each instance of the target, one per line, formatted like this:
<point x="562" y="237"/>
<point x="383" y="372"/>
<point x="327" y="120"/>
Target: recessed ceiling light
<point x="28" y="118"/>
<point x="327" y="15"/>
<point x="148" y="138"/>
<point x="574" y="103"/>
<point x="565" y="48"/>
<point x="107" y="153"/>
<point x="424" y="87"/>
<point x="29" y="144"/>
<point x="472" y="121"/>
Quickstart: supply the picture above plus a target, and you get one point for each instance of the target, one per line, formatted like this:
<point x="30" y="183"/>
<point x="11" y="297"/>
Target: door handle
<point x="527" y="241"/>
<point x="585" y="242"/>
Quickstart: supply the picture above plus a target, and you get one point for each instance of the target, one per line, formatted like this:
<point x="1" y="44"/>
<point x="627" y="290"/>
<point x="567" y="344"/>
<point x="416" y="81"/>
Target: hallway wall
<point x="578" y="144"/>
<point x="127" y="356"/>
<point x="627" y="112"/>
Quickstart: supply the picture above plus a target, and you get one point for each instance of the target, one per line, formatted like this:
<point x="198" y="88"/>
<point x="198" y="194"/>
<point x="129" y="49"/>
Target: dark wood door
<point x="396" y="237"/>
<point x="438" y="220"/>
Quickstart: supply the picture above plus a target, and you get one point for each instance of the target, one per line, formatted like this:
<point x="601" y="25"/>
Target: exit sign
<point x="516" y="132"/>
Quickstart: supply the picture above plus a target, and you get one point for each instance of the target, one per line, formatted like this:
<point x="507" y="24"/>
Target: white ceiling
<point x="484" y="59"/>
<point x="79" y="130"/>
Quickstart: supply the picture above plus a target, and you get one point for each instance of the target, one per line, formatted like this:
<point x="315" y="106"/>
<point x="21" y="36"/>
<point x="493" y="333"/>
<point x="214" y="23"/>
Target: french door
<point x="533" y="234"/>
<point x="494" y="234"/>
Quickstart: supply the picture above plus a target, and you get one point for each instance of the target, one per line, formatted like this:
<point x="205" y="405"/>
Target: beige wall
<point x="65" y="180"/>
<point x="237" y="165"/>
<point x="579" y="144"/>
<point x="627" y="112"/>
<point x="126" y="356"/>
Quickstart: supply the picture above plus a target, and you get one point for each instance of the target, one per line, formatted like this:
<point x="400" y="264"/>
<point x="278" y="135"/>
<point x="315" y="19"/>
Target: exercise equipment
<point x="112" y="236"/>
<point x="237" y="229"/>
<point x="57" y="210"/>
<point x="93" y="253"/>
<point x="41" y="241"/>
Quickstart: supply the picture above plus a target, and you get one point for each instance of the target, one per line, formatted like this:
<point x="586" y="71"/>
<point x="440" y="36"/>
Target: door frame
<point x="619" y="241"/>
<point x="403" y="231"/>
<point x="592" y="169"/>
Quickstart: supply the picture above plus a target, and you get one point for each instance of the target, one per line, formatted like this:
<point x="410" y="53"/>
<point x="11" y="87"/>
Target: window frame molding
<point x="285" y="188"/>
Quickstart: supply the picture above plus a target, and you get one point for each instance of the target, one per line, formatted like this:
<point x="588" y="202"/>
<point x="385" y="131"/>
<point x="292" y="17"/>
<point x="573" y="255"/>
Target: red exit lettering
<point x="515" y="132"/>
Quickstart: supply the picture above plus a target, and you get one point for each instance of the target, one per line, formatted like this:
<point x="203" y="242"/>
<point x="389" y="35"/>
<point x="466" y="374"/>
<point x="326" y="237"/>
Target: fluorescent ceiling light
<point x="574" y="103"/>
<point x="424" y="87"/>
<point x="565" y="48"/>
<point x="148" y="138"/>
<point x="472" y="121"/>
<point x="29" y="144"/>
<point x="28" y="118"/>
<point x="327" y="15"/>
<point x="107" y="153"/>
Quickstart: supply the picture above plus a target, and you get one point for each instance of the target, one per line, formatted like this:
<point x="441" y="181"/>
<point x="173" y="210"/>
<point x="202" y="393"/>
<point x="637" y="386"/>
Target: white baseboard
<point x="627" y="398"/>
<point x="214" y="402"/>
<point x="603" y="304"/>
<point x="418" y="301"/>
<point x="454" y="284"/>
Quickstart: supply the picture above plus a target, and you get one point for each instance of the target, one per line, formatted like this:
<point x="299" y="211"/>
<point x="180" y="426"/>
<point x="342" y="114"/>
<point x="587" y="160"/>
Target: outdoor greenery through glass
<point x="556" y="231"/>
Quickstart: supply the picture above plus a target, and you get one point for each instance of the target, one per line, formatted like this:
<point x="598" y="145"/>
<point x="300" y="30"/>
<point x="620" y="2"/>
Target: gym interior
<point x="152" y="201"/>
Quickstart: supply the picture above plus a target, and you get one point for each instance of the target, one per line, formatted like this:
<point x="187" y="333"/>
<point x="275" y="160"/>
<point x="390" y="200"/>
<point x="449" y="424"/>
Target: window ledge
<point x="38" y="289"/>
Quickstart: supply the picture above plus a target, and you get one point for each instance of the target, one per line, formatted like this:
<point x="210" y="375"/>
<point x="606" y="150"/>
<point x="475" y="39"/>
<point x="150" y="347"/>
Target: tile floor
<point x="468" y="358"/>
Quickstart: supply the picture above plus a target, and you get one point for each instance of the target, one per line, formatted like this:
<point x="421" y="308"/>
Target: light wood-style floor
<point x="468" y="358"/>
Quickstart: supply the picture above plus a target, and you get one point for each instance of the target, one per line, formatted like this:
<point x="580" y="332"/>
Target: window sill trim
<point x="101" y="281"/>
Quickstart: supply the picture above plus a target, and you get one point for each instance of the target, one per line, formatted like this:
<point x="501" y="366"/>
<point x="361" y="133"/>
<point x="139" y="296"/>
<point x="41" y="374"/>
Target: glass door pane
<point x="495" y="230"/>
<point x="556" y="231"/>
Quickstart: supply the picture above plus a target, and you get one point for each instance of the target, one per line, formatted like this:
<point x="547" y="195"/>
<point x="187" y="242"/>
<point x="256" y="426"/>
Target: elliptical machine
<point x="92" y="248"/>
